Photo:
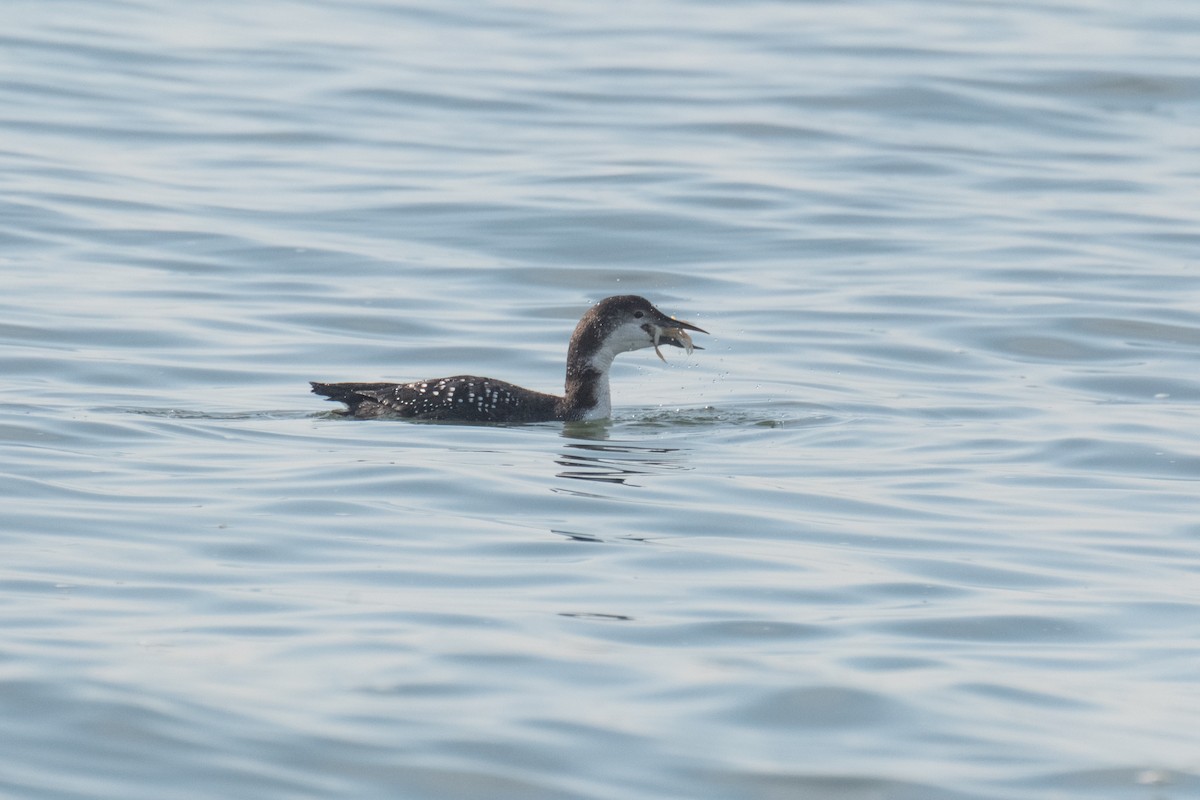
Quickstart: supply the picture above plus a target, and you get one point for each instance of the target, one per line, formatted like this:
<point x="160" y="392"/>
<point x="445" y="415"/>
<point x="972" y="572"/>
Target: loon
<point x="614" y="325"/>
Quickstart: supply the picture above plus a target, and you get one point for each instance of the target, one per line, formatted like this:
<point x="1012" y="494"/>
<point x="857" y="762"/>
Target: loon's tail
<point x="353" y="395"/>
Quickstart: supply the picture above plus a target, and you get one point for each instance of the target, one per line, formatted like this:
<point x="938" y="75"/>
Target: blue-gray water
<point x="922" y="521"/>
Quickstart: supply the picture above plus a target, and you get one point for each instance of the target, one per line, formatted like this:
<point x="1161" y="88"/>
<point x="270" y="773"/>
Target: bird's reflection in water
<point x="578" y="536"/>
<point x="596" y="616"/>
<point x="595" y="538"/>
<point x="618" y="463"/>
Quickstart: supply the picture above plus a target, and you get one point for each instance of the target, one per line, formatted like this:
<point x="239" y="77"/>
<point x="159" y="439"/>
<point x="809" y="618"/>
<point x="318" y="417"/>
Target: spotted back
<point x="462" y="398"/>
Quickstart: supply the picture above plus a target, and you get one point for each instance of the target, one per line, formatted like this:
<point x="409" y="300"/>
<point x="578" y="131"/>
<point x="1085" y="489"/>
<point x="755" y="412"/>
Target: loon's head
<point x="628" y="322"/>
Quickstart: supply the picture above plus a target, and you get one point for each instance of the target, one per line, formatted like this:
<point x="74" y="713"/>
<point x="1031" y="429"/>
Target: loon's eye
<point x="638" y="315"/>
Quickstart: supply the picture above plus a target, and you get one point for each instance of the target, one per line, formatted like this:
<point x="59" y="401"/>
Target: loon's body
<point x="612" y="326"/>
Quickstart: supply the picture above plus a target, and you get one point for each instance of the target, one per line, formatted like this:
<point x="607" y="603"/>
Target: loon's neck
<point x="587" y="393"/>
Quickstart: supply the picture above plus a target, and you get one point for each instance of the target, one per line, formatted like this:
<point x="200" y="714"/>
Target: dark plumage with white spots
<point x="612" y="326"/>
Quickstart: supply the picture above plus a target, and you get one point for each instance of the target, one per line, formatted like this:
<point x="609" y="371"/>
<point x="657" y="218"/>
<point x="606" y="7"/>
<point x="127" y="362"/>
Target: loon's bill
<point x="614" y="325"/>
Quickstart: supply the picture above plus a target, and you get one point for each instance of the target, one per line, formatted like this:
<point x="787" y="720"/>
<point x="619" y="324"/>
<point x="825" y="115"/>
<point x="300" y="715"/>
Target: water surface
<point x="920" y="522"/>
